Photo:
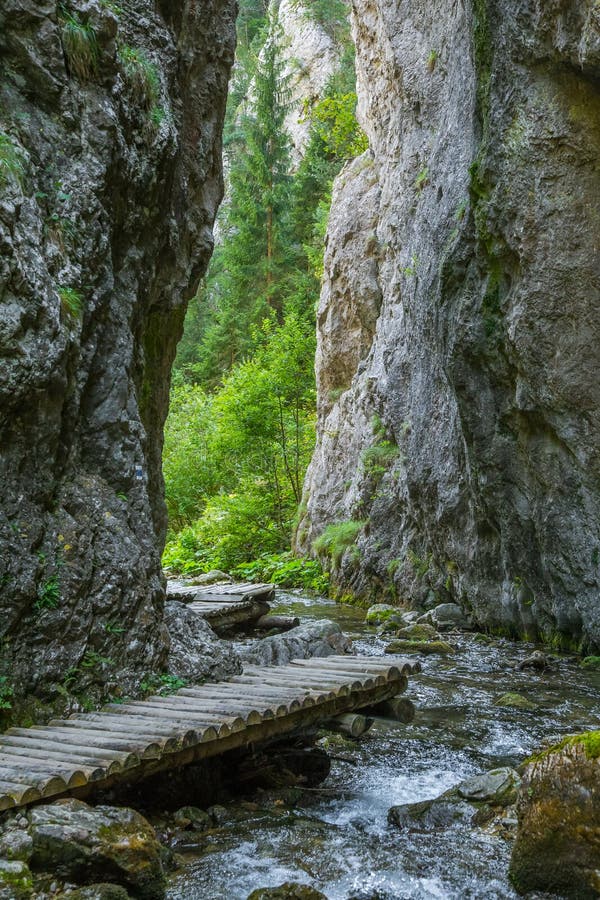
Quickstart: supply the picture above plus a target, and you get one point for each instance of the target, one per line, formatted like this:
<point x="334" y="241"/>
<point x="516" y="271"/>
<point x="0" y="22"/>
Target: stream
<point x="336" y="838"/>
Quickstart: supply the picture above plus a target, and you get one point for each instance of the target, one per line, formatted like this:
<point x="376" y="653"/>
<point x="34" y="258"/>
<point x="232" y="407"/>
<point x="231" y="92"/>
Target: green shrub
<point x="334" y="120"/>
<point x="80" y="44"/>
<point x="142" y="76"/>
<point x="285" y="570"/>
<point x="337" y="537"/>
<point x="11" y="163"/>
<point x="161" y="684"/>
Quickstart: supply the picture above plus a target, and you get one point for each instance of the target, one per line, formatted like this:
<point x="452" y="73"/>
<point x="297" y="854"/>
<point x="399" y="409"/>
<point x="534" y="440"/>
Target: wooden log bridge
<point x="126" y="742"/>
<point x="224" y="605"/>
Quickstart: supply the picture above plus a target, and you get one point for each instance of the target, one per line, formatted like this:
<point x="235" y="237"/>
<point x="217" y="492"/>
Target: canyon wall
<point x="110" y="176"/>
<point x="459" y="340"/>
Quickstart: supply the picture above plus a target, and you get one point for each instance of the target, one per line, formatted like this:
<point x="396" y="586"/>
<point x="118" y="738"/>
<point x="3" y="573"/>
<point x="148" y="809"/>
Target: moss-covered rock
<point x="557" y="847"/>
<point x="591" y="662"/>
<point x="16" y="881"/>
<point x="498" y="787"/>
<point x="515" y="701"/>
<point x="418" y="633"/>
<point x="89" y="845"/>
<point x="379" y="613"/>
<point x="442" y="648"/>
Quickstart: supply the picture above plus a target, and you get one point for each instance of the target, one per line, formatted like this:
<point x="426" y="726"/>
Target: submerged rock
<point x="322" y="638"/>
<point x="557" y="847"/>
<point x="196" y="653"/>
<point x="288" y="891"/>
<point x="516" y="701"/>
<point x="88" y="845"/>
<point x="429" y="815"/>
<point x="442" y="648"/>
<point x="538" y="661"/>
<point x="192" y="817"/>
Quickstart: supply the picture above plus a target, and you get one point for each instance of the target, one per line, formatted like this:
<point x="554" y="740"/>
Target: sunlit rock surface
<point x="465" y="431"/>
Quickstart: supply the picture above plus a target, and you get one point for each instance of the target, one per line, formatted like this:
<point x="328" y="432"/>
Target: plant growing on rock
<point x="337" y="538"/>
<point x="48" y="594"/>
<point x="11" y="163"/>
<point x="142" y="76"/>
<point x="80" y="45"/>
<point x="6" y="693"/>
<point x="71" y="301"/>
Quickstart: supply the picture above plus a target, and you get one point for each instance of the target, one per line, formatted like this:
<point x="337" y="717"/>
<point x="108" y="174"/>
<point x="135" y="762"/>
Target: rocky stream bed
<point x="336" y="837"/>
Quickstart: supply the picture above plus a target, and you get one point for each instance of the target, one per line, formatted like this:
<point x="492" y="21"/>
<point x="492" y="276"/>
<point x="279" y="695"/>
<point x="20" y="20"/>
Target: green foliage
<point x="11" y="161"/>
<point x="93" y="660"/>
<point x="161" y="684"/>
<point x="285" y="570"/>
<point x="337" y="538"/>
<point x="331" y="15"/>
<point x="71" y="301"/>
<point x="48" y="593"/>
<point x="6" y="693"/>
<point x="143" y="79"/>
<point x="113" y="628"/>
<point x="431" y="60"/>
<point x="334" y="120"/>
<point x="377" y="459"/>
<point x="591" y="662"/>
<point x="80" y="44"/>
<point x="420" y="564"/>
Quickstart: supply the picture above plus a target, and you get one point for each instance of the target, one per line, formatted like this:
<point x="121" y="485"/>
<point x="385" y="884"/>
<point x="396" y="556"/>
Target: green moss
<point x="515" y="701"/>
<point x="427" y="648"/>
<point x="591" y="662"/>
<point x="589" y="740"/>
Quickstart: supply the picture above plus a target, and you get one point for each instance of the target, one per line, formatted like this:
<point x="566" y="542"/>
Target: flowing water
<point x="337" y="839"/>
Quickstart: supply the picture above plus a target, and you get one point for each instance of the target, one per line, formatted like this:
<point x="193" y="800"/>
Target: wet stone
<point x="516" y="701"/>
<point x="288" y="891"/>
<point x="99" y="892"/>
<point x="192" y="817"/>
<point x="499" y="786"/>
<point x="442" y="648"/>
<point x="429" y="815"/>
<point x="379" y="613"/>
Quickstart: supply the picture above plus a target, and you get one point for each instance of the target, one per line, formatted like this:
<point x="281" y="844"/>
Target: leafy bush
<point x="286" y="570"/>
<point x="11" y="164"/>
<point x="334" y="120"/>
<point x="161" y="684"/>
<point x="337" y="538"/>
<point x="80" y="44"/>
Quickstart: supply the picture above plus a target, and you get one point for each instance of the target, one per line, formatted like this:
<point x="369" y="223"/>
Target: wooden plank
<point x="165" y="743"/>
<point x="44" y="782"/>
<point x="368" y="679"/>
<point x="186" y="737"/>
<point x="96" y="740"/>
<point x="338" y="686"/>
<point x="185" y="711"/>
<point x="21" y="794"/>
<point x="113" y="761"/>
<point x="77" y="776"/>
<point x="26" y="757"/>
<point x="210" y="732"/>
<point x="7" y="801"/>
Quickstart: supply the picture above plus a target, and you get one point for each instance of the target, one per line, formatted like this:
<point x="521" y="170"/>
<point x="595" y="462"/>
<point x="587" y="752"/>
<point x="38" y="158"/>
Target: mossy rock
<point x="16" y="880"/>
<point x="100" y="892"/>
<point x="441" y="648"/>
<point x="497" y="787"/>
<point x="515" y="701"/>
<point x="418" y="633"/>
<point x="558" y="838"/>
<point x="380" y="613"/>
<point x="591" y="662"/>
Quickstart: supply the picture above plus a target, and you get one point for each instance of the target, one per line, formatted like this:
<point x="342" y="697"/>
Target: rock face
<point x="196" y="653"/>
<point x="323" y="638"/>
<point x="557" y="847"/>
<point x="466" y="435"/>
<point x="110" y="176"/>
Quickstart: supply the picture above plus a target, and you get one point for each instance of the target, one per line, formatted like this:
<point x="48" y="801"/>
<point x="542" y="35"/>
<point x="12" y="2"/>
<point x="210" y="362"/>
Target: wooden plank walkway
<point x="225" y="605"/>
<point x="130" y="741"/>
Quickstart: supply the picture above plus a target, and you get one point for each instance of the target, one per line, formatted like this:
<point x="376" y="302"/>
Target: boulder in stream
<point x="516" y="701"/>
<point x="87" y="845"/>
<point x="442" y="648"/>
<point x="557" y="848"/>
<point x="196" y="653"/>
<point x="498" y="787"/>
<point x="322" y="638"/>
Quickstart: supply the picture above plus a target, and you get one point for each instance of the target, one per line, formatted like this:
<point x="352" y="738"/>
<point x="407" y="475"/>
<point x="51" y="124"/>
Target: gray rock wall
<point x="105" y="228"/>
<point x="467" y="438"/>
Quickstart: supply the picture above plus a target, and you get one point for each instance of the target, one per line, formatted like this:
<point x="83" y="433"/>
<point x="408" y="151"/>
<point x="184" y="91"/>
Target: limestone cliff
<point x="461" y="432"/>
<point x="110" y="176"/>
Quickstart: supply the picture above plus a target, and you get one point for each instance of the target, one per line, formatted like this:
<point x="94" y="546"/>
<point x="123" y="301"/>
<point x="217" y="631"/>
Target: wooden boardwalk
<point x="225" y="605"/>
<point x="127" y="742"/>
